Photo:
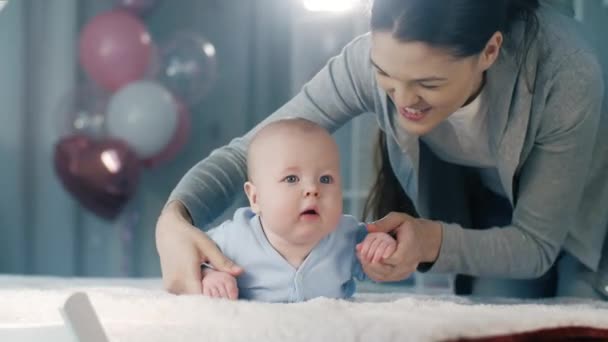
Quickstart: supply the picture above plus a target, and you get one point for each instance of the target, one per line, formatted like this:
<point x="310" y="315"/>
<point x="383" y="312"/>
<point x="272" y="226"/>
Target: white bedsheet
<point x="139" y="310"/>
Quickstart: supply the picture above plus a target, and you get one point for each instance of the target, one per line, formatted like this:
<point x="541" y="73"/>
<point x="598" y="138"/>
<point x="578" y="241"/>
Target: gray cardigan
<point x="553" y="164"/>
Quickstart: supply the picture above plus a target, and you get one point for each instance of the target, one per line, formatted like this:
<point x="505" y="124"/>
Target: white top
<point x="463" y="139"/>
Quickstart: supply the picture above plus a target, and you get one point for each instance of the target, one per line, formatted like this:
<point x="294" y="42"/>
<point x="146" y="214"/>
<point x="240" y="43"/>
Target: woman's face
<point x="427" y="84"/>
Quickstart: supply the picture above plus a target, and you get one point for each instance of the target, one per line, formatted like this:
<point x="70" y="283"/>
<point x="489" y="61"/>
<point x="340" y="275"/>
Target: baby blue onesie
<point x="328" y="271"/>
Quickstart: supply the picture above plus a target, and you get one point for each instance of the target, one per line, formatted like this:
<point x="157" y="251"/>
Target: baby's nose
<point x="311" y="190"/>
<point x="312" y="193"/>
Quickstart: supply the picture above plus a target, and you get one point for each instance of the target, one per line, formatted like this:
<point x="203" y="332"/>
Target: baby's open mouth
<point x="311" y="213"/>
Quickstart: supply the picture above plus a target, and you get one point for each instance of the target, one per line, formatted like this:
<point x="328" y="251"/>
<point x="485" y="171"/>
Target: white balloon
<point x="144" y="114"/>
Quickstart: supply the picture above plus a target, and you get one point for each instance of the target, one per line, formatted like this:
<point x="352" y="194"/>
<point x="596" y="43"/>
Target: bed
<point x="139" y="310"/>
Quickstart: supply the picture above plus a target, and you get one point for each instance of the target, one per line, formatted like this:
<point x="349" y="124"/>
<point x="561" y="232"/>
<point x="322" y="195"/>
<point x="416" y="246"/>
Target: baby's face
<point x="298" y="186"/>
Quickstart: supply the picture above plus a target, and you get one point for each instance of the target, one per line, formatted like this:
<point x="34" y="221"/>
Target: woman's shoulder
<point x="562" y="39"/>
<point x="569" y="71"/>
<point x="357" y="54"/>
<point x="560" y="54"/>
<point x="360" y="43"/>
<point x="568" y="55"/>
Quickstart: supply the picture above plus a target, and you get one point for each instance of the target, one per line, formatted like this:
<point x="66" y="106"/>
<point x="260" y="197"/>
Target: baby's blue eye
<point x="326" y="179"/>
<point x="291" y="179"/>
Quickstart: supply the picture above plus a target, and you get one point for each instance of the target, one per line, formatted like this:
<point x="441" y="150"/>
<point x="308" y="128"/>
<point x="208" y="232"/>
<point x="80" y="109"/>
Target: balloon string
<point x="127" y="237"/>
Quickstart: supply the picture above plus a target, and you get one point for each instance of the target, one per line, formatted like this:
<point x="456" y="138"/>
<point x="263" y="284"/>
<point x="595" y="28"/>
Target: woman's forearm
<point x="496" y="252"/>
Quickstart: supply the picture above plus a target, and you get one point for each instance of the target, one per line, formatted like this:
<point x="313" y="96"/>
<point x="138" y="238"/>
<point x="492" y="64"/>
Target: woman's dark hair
<point x="462" y="27"/>
<point x="386" y="194"/>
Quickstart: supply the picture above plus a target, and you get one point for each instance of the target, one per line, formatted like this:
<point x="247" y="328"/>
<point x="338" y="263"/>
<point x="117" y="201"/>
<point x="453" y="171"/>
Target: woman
<point x="490" y="112"/>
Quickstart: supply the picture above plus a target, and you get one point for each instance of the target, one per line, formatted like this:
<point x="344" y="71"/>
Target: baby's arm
<point x="376" y="247"/>
<point x="219" y="284"/>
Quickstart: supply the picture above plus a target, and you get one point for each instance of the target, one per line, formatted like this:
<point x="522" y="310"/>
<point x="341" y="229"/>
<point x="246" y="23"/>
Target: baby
<point x="293" y="241"/>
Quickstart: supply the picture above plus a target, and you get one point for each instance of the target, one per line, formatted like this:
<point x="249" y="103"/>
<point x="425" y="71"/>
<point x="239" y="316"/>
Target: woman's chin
<point x="417" y="128"/>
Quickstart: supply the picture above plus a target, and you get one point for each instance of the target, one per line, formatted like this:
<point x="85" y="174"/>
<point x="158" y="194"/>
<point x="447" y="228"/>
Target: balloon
<point x="179" y="139"/>
<point x="143" y="114"/>
<point x="115" y="49"/>
<point x="136" y="6"/>
<point x="188" y="66"/>
<point x="2" y="4"/>
<point x="101" y="175"/>
<point x="82" y="111"/>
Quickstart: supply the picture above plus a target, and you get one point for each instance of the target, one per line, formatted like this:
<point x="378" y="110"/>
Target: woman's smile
<point x="414" y="114"/>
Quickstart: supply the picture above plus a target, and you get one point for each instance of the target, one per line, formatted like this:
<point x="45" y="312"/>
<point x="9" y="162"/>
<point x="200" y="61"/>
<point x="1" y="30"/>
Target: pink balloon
<point x="180" y="138"/>
<point x="115" y="49"/>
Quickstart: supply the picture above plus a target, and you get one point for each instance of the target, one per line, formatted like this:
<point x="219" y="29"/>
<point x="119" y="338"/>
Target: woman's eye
<point x="383" y="75"/>
<point x="291" y="179"/>
<point x="326" y="179"/>
<point x="429" y="86"/>
<point x="380" y="72"/>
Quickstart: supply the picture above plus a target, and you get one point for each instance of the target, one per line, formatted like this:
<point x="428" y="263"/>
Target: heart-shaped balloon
<point x="101" y="175"/>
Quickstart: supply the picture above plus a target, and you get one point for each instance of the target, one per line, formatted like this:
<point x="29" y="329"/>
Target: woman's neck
<point x="477" y="89"/>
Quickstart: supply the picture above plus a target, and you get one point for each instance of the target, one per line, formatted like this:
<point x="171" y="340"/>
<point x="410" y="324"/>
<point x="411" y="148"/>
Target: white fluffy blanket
<point x="139" y="310"/>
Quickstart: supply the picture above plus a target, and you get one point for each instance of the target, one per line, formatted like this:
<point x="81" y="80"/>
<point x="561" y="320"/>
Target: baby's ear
<point x="251" y="192"/>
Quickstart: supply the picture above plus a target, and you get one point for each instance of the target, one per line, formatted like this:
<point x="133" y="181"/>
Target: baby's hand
<point x="376" y="247"/>
<point x="218" y="284"/>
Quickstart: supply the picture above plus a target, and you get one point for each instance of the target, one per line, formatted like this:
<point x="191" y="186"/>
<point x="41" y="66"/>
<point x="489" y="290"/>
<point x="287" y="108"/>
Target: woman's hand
<point x="182" y="248"/>
<point x="418" y="240"/>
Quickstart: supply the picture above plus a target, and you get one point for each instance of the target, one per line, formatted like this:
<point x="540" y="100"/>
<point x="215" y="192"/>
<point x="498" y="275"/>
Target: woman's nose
<point x="405" y="97"/>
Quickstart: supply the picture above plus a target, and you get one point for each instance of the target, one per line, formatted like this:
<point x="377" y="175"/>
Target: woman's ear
<point x="492" y="50"/>
<point x="251" y="192"/>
